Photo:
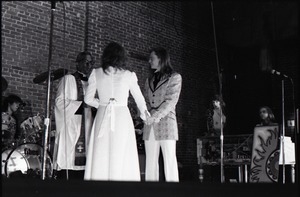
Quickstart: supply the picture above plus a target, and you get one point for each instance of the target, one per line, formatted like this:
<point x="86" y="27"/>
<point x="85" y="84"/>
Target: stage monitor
<point x="265" y="154"/>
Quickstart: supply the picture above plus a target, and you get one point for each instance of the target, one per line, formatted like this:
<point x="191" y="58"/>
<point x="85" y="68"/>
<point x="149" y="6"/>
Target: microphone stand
<point x="283" y="132"/>
<point x="221" y="100"/>
<point x="47" y="118"/>
<point x="294" y="175"/>
<point x="296" y="133"/>
<point x="221" y="136"/>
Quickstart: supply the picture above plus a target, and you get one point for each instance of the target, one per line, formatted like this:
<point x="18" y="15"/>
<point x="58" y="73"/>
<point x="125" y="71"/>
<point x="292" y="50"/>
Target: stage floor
<point x="63" y="188"/>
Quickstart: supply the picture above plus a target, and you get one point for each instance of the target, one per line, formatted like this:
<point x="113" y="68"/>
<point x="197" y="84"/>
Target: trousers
<point x="152" y="148"/>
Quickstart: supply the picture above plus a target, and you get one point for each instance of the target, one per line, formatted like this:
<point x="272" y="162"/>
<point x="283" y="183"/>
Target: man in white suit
<point x="162" y="91"/>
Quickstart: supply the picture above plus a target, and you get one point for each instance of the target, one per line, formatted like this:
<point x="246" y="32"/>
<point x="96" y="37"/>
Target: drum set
<point x="32" y="129"/>
<point x="25" y="154"/>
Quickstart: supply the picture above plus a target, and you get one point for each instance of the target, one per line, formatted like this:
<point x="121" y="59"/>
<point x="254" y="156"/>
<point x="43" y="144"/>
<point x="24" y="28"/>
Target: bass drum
<point x="26" y="158"/>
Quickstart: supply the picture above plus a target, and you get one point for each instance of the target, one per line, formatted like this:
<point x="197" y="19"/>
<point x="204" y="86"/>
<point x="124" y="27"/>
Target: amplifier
<point x="236" y="150"/>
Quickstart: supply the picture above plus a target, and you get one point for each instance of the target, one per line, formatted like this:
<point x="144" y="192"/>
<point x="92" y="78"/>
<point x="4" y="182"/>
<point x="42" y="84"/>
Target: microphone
<point x="275" y="72"/>
<point x="53" y="4"/>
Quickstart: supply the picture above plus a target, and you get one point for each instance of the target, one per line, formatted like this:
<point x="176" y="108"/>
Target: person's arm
<point x="138" y="96"/>
<point x="171" y="98"/>
<point x="64" y="100"/>
<point x="89" y="97"/>
<point x="146" y="89"/>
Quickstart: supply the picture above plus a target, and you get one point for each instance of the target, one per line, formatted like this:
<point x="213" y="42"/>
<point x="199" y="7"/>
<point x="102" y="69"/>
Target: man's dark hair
<point x="82" y="55"/>
<point x="10" y="100"/>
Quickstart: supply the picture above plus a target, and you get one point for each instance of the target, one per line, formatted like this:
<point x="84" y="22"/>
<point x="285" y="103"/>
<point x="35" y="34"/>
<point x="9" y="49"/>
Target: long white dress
<point x="112" y="153"/>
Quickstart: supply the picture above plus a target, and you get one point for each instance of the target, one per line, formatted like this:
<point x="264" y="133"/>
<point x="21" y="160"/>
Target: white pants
<point x="168" y="148"/>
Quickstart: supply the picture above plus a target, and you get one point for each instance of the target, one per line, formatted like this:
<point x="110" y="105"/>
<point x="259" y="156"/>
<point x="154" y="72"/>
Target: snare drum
<point x="26" y="158"/>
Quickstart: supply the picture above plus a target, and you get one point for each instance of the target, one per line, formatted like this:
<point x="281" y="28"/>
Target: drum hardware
<point x="57" y="74"/>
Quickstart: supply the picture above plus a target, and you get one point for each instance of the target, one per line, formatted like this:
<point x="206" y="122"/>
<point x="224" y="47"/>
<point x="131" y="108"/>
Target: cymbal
<point x="4" y="84"/>
<point x="57" y="74"/>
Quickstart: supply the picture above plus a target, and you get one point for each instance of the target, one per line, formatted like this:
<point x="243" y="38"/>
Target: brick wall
<point x="182" y="28"/>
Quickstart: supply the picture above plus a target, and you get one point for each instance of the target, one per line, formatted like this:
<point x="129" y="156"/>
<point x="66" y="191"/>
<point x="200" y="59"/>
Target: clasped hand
<point x="150" y="119"/>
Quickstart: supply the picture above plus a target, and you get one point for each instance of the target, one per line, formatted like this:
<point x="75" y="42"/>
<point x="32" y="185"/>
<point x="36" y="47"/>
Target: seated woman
<point x="265" y="148"/>
<point x="267" y="117"/>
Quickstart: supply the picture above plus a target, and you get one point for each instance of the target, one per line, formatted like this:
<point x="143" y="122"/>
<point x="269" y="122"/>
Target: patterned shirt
<point x="9" y="127"/>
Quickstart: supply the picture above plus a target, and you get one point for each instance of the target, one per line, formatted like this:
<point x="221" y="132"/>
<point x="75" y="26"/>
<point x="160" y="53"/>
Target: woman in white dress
<point x="112" y="152"/>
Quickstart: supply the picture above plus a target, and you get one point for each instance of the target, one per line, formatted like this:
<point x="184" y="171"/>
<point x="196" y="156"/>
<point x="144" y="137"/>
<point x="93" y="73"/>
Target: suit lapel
<point x="160" y="83"/>
<point x="151" y="86"/>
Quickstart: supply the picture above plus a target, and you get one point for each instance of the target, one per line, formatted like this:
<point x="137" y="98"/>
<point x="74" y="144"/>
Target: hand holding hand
<point x="139" y="131"/>
<point x="148" y="116"/>
<point x="151" y="120"/>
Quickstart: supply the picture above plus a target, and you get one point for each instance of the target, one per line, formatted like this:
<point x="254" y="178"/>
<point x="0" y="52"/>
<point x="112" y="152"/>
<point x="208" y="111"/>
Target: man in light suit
<point x="162" y="91"/>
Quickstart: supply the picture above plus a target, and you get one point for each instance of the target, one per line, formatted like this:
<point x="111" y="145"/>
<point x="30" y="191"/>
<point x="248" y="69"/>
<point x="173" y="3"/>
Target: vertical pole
<point x="240" y="174"/>
<point x="220" y="90"/>
<point x="86" y="38"/>
<point x="296" y="146"/>
<point x="246" y="173"/>
<point x="47" y="118"/>
<point x="283" y="133"/>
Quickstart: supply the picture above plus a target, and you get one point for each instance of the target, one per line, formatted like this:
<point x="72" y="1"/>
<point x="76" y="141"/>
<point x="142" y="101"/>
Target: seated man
<point x="9" y="123"/>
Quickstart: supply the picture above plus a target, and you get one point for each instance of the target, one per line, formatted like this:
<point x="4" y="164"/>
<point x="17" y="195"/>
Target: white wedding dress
<point x="112" y="152"/>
